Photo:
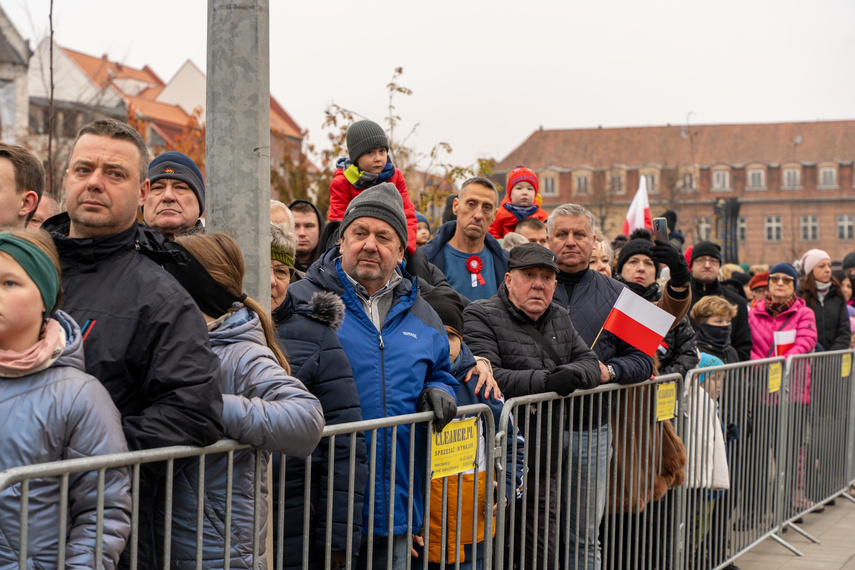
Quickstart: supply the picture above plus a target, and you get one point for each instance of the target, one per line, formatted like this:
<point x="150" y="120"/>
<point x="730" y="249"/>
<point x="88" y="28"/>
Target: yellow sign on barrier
<point x="666" y="401"/>
<point x="453" y="449"/>
<point x="774" y="377"/>
<point x="847" y="366"/>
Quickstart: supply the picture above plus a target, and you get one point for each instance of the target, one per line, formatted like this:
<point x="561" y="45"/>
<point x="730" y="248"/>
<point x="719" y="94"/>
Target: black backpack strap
<point x="532" y="332"/>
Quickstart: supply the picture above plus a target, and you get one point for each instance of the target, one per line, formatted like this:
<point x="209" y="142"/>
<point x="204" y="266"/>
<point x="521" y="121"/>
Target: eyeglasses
<point x="704" y="260"/>
<point x="282" y="272"/>
<point x="780" y="279"/>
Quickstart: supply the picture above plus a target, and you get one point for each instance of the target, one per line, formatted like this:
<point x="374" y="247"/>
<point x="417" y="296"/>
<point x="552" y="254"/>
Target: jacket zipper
<point x="385" y="449"/>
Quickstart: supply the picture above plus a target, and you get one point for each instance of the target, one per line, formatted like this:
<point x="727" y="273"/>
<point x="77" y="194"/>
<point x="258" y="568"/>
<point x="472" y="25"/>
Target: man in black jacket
<point x="705" y="265"/>
<point x="499" y="328"/>
<point x="589" y="297"/>
<point x="144" y="338"/>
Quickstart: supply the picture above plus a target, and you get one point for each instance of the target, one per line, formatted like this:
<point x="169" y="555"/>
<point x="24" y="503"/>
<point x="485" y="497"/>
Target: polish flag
<point x="784" y="341"/>
<point x="638" y="215"/>
<point x="638" y="322"/>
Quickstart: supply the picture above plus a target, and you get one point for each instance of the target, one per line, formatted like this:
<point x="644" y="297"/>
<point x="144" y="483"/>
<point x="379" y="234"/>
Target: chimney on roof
<point x="683" y="131"/>
<point x="104" y="57"/>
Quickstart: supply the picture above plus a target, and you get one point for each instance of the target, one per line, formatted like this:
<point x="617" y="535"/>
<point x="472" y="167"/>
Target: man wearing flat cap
<point x="522" y="332"/>
<point x="397" y="347"/>
<point x="176" y="200"/>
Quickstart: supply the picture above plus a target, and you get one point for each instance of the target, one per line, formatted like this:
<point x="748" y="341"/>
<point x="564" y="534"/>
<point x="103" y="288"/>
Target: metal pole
<point x="238" y="133"/>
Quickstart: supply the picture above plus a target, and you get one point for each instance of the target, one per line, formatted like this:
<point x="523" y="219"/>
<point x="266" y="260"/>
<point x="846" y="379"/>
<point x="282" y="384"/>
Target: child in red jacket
<point x="368" y="165"/>
<point x="520" y="203"/>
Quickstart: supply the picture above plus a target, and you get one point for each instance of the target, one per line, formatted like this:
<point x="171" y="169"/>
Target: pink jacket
<point x="763" y="327"/>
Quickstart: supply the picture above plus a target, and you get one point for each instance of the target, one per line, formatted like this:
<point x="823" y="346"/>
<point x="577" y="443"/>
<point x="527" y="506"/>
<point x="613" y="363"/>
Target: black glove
<point x="563" y="381"/>
<point x="732" y="432"/>
<point x="440" y="403"/>
<point x="665" y="253"/>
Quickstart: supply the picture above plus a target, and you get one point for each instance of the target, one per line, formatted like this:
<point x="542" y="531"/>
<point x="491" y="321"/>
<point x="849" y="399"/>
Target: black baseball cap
<point x="532" y="255"/>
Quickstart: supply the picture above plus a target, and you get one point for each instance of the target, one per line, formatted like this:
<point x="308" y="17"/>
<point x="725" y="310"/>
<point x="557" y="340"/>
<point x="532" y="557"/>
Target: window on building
<point x="742" y="229"/>
<point x="549" y="186"/>
<point x="704" y="225"/>
<point x="828" y="177"/>
<point x="721" y="180"/>
<point x="809" y="227"/>
<point x="773" y="228"/>
<point x="581" y="185"/>
<point x="651" y="183"/>
<point x="616" y="184"/>
<point x="756" y="179"/>
<point x="845" y="226"/>
<point x="689" y="181"/>
<point x="792" y="178"/>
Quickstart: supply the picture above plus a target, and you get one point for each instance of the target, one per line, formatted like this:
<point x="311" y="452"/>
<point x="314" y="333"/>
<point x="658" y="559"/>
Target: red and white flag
<point x="638" y="215"/>
<point x="784" y="341"/>
<point x="638" y="322"/>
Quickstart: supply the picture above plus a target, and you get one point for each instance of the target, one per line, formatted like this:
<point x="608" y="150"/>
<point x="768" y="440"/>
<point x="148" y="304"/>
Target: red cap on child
<point x="522" y="174"/>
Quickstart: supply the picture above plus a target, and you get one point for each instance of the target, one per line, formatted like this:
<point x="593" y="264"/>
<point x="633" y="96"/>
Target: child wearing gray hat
<point x="367" y="165"/>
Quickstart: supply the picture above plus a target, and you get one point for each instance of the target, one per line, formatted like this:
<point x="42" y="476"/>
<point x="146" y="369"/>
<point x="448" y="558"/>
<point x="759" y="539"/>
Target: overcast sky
<point x="485" y="75"/>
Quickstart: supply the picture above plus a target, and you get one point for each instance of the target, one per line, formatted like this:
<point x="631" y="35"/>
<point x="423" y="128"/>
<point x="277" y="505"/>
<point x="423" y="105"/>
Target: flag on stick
<point x="638" y="322"/>
<point x="638" y="215"/>
<point x="784" y="341"/>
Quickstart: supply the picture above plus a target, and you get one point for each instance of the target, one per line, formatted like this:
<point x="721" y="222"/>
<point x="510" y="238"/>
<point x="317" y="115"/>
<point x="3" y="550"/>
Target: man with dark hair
<point x="705" y="266"/>
<point x="472" y="260"/>
<point x="308" y="225"/>
<point x="176" y="200"/>
<point x="22" y="181"/>
<point x="146" y="339"/>
<point x="533" y="230"/>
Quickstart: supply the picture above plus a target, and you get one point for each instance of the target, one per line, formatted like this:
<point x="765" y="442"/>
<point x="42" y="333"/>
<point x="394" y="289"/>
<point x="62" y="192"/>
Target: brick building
<point x="793" y="181"/>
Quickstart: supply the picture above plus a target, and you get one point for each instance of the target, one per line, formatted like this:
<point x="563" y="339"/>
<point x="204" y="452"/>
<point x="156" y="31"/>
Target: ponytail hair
<point x="221" y="257"/>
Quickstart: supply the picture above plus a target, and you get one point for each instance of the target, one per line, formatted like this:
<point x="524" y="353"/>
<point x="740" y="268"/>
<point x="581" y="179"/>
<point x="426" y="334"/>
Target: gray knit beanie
<point x="364" y="135"/>
<point x="382" y="202"/>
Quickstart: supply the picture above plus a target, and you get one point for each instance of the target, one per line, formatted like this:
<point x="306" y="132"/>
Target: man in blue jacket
<point x="472" y="260"/>
<point x="398" y="349"/>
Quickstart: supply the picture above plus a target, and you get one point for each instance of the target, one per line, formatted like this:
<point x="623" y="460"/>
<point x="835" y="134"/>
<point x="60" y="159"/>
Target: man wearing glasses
<point x="705" y="265"/>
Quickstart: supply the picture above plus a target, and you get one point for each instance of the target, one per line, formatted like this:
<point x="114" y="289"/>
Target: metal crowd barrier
<point x="782" y="457"/>
<point x="602" y="447"/>
<point x="16" y="483"/>
<point x="817" y="419"/>
<point x="730" y="424"/>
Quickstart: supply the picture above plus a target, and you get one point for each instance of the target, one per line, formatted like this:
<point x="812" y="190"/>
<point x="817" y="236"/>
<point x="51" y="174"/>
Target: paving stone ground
<point x="834" y="528"/>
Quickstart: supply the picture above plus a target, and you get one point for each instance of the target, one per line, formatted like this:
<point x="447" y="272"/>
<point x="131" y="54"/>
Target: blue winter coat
<point x="262" y="406"/>
<point x="307" y="335"/>
<point x="391" y="368"/>
<point x="593" y="299"/>
<point x="62" y="413"/>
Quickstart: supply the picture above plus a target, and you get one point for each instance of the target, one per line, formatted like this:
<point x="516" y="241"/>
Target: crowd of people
<point x="122" y="335"/>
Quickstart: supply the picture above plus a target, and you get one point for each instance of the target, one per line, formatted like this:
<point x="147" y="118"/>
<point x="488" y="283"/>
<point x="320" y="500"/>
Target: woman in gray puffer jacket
<point x="262" y="406"/>
<point x="51" y="410"/>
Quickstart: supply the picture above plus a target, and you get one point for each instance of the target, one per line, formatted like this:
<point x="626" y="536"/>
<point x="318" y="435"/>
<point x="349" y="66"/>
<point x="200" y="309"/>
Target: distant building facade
<point x="793" y="181"/>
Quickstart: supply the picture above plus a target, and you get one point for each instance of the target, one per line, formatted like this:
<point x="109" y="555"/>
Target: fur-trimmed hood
<point x="325" y="307"/>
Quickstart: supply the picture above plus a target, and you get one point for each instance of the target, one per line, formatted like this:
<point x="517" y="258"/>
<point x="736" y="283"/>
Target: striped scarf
<point x="776" y="309"/>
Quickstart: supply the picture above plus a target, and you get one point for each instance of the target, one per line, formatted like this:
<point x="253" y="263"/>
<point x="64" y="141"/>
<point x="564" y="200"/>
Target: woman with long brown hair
<point x="262" y="405"/>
